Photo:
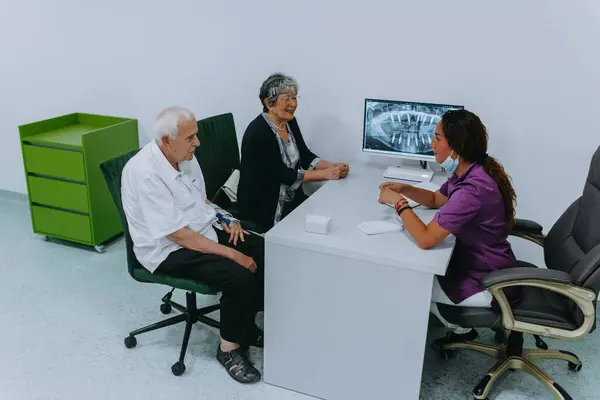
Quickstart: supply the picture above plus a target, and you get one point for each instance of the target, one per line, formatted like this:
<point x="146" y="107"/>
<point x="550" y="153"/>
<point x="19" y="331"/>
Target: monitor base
<point x="408" y="174"/>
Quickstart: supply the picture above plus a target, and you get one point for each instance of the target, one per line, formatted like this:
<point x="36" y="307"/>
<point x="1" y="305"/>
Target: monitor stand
<point x="408" y="174"/>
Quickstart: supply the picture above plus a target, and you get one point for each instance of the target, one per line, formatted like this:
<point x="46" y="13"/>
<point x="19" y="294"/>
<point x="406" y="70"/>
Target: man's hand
<point x="245" y="261"/>
<point x="344" y="168"/>
<point x="235" y="232"/>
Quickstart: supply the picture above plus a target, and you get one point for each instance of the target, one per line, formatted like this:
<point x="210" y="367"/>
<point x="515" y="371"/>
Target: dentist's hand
<point x="394" y="186"/>
<point x="388" y="196"/>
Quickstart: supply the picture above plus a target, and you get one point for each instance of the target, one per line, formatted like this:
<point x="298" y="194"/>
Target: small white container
<point x="317" y="224"/>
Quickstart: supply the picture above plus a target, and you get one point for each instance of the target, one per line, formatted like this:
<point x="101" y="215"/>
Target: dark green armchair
<point x="218" y="155"/>
<point x="190" y="314"/>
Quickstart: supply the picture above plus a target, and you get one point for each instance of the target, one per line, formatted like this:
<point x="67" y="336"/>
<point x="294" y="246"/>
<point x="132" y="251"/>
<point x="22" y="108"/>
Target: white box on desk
<point x="317" y="224"/>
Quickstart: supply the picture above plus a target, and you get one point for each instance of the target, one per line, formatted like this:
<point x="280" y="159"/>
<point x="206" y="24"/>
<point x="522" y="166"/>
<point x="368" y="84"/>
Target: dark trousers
<point x="242" y="290"/>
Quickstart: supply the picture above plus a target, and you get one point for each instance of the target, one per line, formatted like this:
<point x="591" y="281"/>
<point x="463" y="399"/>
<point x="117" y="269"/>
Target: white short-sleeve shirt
<point x="159" y="200"/>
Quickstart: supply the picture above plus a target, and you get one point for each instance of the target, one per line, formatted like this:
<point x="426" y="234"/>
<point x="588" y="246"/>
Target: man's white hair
<point x="168" y="121"/>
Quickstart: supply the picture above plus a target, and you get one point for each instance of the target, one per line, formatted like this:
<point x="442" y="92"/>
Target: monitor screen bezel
<point x="396" y="154"/>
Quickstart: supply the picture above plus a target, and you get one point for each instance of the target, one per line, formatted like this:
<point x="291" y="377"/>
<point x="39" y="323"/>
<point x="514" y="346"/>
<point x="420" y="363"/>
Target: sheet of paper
<point x="379" y="227"/>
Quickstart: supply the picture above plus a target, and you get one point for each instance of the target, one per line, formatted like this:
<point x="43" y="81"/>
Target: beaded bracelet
<point x="400" y="203"/>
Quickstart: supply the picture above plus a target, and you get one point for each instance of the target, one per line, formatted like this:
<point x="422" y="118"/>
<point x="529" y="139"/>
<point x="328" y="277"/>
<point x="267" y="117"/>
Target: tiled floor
<point x="65" y="311"/>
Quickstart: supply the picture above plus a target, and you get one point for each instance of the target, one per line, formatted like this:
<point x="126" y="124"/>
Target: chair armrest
<point x="528" y="230"/>
<point x="524" y="274"/>
<point x="526" y="225"/>
<point x="555" y="281"/>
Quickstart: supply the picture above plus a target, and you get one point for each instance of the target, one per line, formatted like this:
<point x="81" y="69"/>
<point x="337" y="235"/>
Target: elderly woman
<point x="275" y="160"/>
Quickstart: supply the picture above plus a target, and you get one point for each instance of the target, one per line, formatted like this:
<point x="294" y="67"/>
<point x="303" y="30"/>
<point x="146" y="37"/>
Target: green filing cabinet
<point x="68" y="195"/>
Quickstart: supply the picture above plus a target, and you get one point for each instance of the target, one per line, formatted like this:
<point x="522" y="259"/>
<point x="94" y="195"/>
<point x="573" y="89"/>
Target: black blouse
<point x="263" y="173"/>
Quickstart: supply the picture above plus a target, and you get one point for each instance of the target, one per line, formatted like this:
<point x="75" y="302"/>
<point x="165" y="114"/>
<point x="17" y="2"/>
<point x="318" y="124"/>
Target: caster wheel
<point x="99" y="249"/>
<point x="178" y="368"/>
<point x="447" y="354"/>
<point x="165" y="308"/>
<point x="130" y="342"/>
<point x="575" y="367"/>
<point x="45" y="238"/>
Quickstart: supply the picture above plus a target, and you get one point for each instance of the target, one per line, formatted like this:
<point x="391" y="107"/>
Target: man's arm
<point x="196" y="241"/>
<point x="224" y="216"/>
<point x="230" y="224"/>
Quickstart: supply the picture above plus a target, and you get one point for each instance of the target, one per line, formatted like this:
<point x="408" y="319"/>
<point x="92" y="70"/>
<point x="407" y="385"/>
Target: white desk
<point x="346" y="314"/>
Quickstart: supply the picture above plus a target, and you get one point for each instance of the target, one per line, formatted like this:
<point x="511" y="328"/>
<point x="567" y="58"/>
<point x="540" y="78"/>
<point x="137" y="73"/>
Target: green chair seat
<point x="143" y="274"/>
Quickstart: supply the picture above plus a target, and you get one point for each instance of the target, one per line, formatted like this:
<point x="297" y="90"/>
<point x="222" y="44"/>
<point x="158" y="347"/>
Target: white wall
<point x="529" y="69"/>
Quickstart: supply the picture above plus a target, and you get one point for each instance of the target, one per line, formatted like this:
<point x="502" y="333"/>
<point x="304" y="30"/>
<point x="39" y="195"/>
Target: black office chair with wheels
<point x="190" y="314"/>
<point x="558" y="302"/>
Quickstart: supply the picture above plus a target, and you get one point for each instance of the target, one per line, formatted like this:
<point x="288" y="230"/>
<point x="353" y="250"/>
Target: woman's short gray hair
<point x="168" y="121"/>
<point x="275" y="85"/>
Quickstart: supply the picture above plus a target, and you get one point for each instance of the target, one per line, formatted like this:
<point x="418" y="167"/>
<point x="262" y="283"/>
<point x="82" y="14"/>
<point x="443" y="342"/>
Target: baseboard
<point x="9" y="194"/>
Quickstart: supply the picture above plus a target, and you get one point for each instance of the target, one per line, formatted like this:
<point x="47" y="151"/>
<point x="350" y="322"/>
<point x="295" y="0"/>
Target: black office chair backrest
<point x="218" y="153"/>
<point x="112" y="170"/>
<point x="573" y="243"/>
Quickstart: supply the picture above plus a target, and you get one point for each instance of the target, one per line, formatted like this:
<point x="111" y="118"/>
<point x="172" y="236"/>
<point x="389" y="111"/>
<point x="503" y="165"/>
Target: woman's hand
<point x="345" y="168"/>
<point x="396" y="187"/>
<point x="388" y="196"/>
<point x="332" y="173"/>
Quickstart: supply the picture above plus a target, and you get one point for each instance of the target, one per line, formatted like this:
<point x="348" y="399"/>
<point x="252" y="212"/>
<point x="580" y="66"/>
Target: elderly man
<point x="176" y="231"/>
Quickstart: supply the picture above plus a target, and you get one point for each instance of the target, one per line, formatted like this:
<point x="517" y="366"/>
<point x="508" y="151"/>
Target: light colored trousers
<point x="481" y="299"/>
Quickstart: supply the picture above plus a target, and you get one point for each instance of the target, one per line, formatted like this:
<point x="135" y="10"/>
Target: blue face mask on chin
<point x="450" y="164"/>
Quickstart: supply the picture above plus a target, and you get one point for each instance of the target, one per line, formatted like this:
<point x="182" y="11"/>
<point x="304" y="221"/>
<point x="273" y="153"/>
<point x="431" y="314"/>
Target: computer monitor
<point x="402" y="129"/>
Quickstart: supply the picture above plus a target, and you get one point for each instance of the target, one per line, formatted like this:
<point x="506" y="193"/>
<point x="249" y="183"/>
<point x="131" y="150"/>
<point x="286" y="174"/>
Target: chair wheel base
<point x="540" y="344"/>
<point x="481" y="387"/>
<point x="575" y="367"/>
<point x="499" y="337"/>
<point x="447" y="354"/>
<point x="178" y="368"/>
<point x="130" y="342"/>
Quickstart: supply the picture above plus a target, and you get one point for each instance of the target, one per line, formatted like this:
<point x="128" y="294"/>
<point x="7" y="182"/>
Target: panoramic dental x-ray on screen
<point x="402" y="128"/>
